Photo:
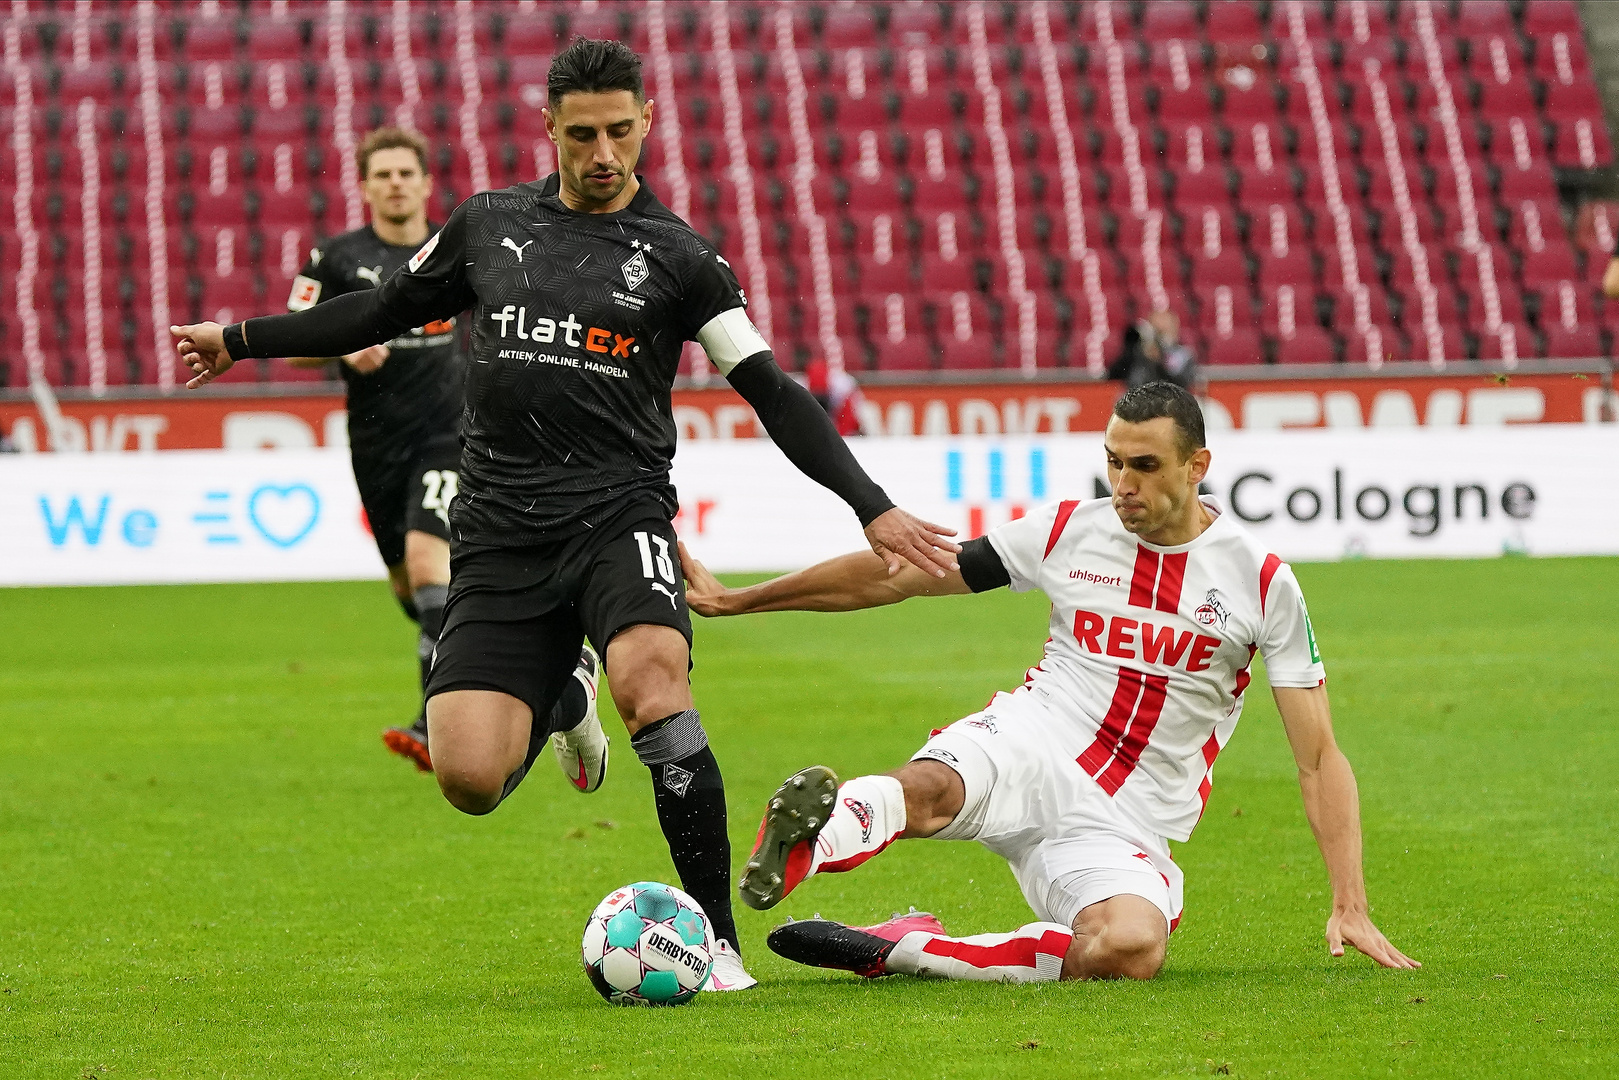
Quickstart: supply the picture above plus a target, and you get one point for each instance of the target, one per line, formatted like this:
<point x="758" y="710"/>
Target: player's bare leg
<point x="422" y="584"/>
<point x="1122" y="937"/>
<point x="647" y="668"/>
<point x="480" y="740"/>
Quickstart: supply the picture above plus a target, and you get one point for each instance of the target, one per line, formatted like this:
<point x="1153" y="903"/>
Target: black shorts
<point x="516" y="617"/>
<point x="408" y="490"/>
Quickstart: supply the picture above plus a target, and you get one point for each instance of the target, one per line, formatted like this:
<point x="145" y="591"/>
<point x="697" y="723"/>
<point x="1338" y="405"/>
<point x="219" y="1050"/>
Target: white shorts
<point x="1029" y="802"/>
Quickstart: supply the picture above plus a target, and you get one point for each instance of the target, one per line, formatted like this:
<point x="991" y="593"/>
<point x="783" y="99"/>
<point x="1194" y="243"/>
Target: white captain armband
<point x="730" y="338"/>
<point x="305" y="293"/>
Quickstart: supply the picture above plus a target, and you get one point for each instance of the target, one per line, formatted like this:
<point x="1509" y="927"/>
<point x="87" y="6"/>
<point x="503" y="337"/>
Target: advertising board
<point x="1545" y="489"/>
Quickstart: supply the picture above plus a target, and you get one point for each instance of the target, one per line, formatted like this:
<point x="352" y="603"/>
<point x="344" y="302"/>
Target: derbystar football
<point x="648" y="944"/>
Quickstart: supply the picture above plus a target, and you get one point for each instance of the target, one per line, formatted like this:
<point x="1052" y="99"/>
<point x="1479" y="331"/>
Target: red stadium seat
<point x="1241" y="346"/>
<point x="1164" y="19"/>
<point x="979" y="351"/>
<point x="1284" y="308"/>
<point x="1508" y="297"/>
<point x="1498" y="58"/>
<point x="1483" y="18"/>
<point x="890" y="276"/>
<point x="939" y="274"/>
<point x="1229" y="267"/>
<point x="1553" y="262"/>
<point x="912" y="354"/>
<point x="1295" y="267"/>
<point x="1173" y="59"/>
<point x="1571" y="342"/>
<point x="1566" y="303"/>
<point x="1187" y="146"/>
<point x="1516" y="98"/>
<point x="1543" y="17"/>
<point x="1207" y="185"/>
<point x="1346" y="307"/>
<point x="1192" y="104"/>
<point x="274" y="39"/>
<point x="1236" y="21"/>
<point x="1574" y="101"/>
<point x="1582" y="144"/>
<point x="1257" y="186"/>
<point x="849" y="28"/>
<point x="1492" y="344"/>
<point x="1307" y="345"/>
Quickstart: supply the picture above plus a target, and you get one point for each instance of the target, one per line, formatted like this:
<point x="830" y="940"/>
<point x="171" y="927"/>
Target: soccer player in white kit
<point x="1081" y="776"/>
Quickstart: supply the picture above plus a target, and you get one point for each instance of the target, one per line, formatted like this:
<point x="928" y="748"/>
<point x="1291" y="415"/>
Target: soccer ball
<point x="648" y="944"/>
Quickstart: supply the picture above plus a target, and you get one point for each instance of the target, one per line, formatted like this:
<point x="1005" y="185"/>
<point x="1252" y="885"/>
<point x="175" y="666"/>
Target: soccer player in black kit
<point x="404" y="417"/>
<point x="583" y="289"/>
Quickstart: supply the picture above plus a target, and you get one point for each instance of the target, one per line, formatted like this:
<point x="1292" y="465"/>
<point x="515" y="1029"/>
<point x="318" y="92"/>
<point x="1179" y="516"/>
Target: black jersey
<point x="415" y="396"/>
<point x="578" y="325"/>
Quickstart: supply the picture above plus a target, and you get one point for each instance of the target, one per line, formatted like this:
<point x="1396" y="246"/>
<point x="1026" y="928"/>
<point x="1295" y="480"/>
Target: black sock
<point x="690" y="794"/>
<point x="408" y="606"/>
<point x="570" y="708"/>
<point x="429" y="601"/>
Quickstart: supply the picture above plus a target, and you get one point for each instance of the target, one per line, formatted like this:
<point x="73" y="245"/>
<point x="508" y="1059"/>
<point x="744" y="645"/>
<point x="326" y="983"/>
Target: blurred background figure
<point x="1153" y="351"/>
<point x="838" y="394"/>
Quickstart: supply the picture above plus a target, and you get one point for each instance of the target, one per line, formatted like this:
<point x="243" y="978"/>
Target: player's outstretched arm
<point x="846" y="583"/>
<point x="1332" y="804"/>
<point x="344" y="324"/>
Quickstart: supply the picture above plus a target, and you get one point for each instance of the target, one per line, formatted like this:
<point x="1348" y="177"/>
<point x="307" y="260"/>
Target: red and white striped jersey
<point x="1150" y="646"/>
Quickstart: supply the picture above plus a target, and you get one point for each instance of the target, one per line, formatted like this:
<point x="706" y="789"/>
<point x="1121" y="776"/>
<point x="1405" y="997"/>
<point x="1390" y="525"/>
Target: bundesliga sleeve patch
<point x="420" y="257"/>
<point x="305" y="293"/>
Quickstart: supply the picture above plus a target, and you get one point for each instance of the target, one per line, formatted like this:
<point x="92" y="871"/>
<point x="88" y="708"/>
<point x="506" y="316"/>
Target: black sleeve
<point x="798" y="424"/>
<point x="431" y="286"/>
<point x="710" y="289"/>
<point x="981" y="566"/>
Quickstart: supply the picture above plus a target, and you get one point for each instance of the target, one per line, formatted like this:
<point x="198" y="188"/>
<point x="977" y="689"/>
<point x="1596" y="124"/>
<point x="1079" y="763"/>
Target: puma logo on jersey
<point x="657" y="586"/>
<point x="371" y="274"/>
<point x="517" y="249"/>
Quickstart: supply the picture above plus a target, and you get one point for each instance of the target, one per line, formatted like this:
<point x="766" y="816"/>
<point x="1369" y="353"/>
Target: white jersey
<point x="1150" y="646"/>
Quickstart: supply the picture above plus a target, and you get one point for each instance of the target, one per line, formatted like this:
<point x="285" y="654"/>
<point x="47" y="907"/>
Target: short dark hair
<point x="389" y="138"/>
<point x="594" y="66"/>
<point x="1152" y="400"/>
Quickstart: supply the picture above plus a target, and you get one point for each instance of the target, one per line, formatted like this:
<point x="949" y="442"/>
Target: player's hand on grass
<point x="1355" y="928"/>
<point x="202" y="349"/>
<point x="898" y="537"/>
<point x="704" y="593"/>
<point x="367" y="360"/>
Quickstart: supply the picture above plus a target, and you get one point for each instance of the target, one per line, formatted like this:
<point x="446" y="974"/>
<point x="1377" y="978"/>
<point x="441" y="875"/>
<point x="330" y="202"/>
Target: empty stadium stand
<point x="903" y="186"/>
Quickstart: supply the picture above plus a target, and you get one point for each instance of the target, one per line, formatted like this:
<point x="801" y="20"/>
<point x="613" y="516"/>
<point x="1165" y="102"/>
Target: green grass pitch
<point x="210" y="868"/>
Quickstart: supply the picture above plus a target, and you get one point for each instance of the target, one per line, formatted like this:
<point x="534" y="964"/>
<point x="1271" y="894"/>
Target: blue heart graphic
<point x="283" y="493"/>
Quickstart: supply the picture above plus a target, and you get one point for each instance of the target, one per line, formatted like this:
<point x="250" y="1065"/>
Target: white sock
<point x="868" y="816"/>
<point x="1034" y="953"/>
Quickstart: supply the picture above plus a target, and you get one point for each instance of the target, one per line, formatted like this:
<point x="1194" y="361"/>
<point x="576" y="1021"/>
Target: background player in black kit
<point x="583" y="288"/>
<point x="404" y="417"/>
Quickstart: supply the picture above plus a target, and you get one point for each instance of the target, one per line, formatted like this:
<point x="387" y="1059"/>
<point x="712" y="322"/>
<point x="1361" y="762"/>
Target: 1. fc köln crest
<point x="635" y="271"/>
